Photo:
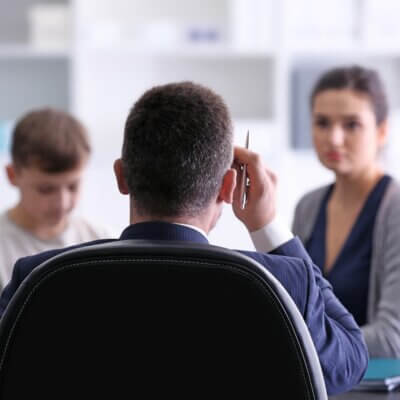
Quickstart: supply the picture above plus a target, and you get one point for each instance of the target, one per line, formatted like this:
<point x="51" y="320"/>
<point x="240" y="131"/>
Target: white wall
<point x="116" y="55"/>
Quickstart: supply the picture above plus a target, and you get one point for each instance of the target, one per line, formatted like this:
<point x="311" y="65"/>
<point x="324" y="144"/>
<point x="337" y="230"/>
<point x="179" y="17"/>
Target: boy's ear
<point x="11" y="174"/>
<point x="119" y="174"/>
<point x="383" y="133"/>
<point x="228" y="186"/>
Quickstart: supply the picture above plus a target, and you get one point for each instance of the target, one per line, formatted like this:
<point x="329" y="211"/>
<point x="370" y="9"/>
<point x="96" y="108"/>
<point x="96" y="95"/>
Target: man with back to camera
<point x="176" y="166"/>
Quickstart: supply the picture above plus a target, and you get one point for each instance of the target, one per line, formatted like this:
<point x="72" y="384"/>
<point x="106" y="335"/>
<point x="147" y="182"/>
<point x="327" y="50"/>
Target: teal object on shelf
<point x="5" y="136"/>
<point x="383" y="374"/>
<point x="381" y="368"/>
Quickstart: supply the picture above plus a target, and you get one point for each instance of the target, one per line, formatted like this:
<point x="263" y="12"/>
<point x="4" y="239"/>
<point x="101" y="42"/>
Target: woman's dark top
<point x="349" y="274"/>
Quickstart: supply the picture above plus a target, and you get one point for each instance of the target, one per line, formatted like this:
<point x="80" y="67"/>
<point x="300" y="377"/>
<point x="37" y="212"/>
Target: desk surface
<point x="367" y="396"/>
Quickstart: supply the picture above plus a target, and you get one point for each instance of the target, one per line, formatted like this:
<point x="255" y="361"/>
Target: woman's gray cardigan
<point x="382" y="331"/>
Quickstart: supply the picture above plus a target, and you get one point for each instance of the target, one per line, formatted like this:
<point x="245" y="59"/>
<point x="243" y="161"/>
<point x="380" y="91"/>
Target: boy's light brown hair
<point x="49" y="139"/>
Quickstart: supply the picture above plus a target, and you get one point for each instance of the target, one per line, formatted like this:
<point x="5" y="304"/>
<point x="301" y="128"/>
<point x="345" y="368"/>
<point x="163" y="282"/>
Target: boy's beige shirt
<point x="16" y="242"/>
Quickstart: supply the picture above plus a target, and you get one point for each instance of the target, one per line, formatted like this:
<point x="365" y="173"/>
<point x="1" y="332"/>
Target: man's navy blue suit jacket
<point x="337" y="337"/>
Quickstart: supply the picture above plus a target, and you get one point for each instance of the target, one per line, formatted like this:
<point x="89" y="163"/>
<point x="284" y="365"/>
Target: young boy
<point x="49" y="153"/>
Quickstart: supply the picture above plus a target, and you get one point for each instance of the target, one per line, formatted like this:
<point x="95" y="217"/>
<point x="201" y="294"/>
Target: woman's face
<point x="345" y="131"/>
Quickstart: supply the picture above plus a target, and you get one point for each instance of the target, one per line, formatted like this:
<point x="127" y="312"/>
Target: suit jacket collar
<point x="162" y="231"/>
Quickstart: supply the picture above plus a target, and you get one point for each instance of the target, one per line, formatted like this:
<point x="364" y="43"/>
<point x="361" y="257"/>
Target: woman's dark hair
<point x="362" y="80"/>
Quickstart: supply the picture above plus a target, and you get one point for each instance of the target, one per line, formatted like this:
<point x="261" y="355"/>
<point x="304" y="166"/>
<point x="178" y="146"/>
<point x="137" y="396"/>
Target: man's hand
<point x="261" y="194"/>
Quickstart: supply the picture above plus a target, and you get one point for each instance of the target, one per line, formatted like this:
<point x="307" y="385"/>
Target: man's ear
<point x="119" y="174"/>
<point x="11" y="174"/>
<point x="228" y="186"/>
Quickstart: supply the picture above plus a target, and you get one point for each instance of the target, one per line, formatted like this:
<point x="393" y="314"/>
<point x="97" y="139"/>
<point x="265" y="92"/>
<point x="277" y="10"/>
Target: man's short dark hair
<point x="52" y="140"/>
<point x="177" y="148"/>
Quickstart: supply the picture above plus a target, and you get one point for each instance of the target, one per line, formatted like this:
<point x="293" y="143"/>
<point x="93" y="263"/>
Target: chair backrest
<point x="144" y="319"/>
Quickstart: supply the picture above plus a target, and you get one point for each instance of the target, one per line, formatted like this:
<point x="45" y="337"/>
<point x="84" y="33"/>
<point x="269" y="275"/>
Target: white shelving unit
<point x="247" y="50"/>
<point x="10" y="52"/>
<point x="30" y="76"/>
<point x="156" y="41"/>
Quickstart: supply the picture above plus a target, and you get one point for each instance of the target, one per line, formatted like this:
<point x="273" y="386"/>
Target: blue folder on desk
<point x="383" y="374"/>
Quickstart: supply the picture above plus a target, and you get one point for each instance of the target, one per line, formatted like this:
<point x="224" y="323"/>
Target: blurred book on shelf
<point x="49" y="26"/>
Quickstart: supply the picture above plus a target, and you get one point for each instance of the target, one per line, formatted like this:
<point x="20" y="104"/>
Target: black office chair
<point x="143" y="319"/>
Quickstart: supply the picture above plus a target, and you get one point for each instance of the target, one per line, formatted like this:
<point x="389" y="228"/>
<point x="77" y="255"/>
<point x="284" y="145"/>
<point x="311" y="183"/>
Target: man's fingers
<point x="245" y="156"/>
